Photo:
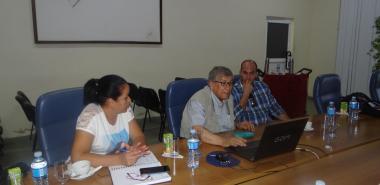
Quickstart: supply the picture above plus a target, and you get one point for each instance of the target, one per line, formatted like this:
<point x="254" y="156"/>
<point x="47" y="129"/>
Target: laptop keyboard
<point x="251" y="147"/>
<point x="253" y="144"/>
<point x="247" y="152"/>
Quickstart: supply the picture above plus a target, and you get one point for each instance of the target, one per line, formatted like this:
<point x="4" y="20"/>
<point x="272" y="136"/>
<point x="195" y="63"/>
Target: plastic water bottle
<point x="330" y="119"/>
<point x="330" y="114"/>
<point x="193" y="146"/>
<point x="39" y="169"/>
<point x="194" y="135"/>
<point x="353" y="109"/>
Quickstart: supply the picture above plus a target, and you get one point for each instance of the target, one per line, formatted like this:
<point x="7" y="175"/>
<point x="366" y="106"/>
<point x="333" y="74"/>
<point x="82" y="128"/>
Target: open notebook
<point x="131" y="174"/>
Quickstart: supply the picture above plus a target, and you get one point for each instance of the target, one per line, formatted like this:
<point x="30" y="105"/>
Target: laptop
<point x="277" y="138"/>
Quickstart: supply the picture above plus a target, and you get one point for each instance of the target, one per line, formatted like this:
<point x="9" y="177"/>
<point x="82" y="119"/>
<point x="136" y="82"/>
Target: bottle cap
<point x="37" y="154"/>
<point x="320" y="182"/>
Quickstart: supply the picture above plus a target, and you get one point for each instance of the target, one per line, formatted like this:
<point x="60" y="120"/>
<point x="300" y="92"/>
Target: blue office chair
<point x="177" y="95"/>
<point x="374" y="85"/>
<point x="326" y="88"/>
<point x="56" y="118"/>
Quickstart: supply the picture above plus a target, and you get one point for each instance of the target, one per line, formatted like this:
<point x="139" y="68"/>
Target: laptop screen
<point x="280" y="138"/>
<point x="277" y="138"/>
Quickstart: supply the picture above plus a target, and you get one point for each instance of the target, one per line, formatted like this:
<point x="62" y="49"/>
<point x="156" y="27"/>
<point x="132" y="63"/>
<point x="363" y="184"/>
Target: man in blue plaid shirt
<point x="252" y="98"/>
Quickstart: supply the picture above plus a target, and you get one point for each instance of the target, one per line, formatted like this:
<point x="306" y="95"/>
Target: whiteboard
<point x="97" y="21"/>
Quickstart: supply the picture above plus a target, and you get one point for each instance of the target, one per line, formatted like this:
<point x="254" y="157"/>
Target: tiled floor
<point x="20" y="149"/>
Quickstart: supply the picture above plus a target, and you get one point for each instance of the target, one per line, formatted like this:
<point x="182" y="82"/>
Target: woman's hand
<point x="133" y="153"/>
<point x="139" y="147"/>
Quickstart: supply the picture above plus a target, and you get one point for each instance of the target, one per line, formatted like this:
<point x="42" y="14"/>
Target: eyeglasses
<point x="138" y="177"/>
<point x="224" y="84"/>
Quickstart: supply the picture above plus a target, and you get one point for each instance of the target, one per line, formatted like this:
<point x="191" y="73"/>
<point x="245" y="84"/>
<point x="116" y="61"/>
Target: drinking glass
<point x="327" y="138"/>
<point x="61" y="172"/>
<point x="176" y="146"/>
<point x="330" y="128"/>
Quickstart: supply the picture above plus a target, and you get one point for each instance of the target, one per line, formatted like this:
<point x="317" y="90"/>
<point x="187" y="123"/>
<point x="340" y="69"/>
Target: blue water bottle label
<point x="39" y="169"/>
<point x="193" y="144"/>
<point x="354" y="105"/>
<point x="39" y="172"/>
<point x="330" y="111"/>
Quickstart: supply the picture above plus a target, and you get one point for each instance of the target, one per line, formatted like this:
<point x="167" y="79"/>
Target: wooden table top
<point x="359" y="165"/>
<point x="348" y="137"/>
<point x="206" y="173"/>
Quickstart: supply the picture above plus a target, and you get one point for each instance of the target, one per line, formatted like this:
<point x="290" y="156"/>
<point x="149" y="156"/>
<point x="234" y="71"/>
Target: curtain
<point x="356" y="31"/>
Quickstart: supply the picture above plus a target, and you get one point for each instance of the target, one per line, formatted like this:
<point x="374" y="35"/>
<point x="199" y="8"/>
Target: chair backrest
<point x="162" y="96"/>
<point x="260" y="73"/>
<point x="326" y="88"/>
<point x="177" y="95"/>
<point x="178" y="78"/>
<point x="20" y="93"/>
<point x="56" y="117"/>
<point x="374" y="85"/>
<point x="133" y="91"/>
<point x="150" y="99"/>
<point x="27" y="107"/>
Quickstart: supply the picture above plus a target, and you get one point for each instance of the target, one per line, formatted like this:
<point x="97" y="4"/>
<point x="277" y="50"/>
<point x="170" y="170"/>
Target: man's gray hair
<point x="218" y="71"/>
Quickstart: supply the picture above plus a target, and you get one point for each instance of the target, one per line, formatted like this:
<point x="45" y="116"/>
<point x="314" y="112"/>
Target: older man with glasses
<point x="210" y="111"/>
<point x="252" y="98"/>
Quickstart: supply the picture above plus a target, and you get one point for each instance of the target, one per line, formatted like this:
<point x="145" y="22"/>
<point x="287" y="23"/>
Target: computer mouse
<point x="222" y="157"/>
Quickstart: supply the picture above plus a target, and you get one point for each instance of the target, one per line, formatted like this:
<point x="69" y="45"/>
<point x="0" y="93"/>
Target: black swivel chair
<point x="30" y="117"/>
<point x="162" y="96"/>
<point x="23" y="95"/>
<point x="374" y="86"/>
<point x="134" y="95"/>
<point x="1" y="143"/>
<point x="179" y="78"/>
<point x="150" y="101"/>
<point x="30" y="112"/>
<point x="326" y="89"/>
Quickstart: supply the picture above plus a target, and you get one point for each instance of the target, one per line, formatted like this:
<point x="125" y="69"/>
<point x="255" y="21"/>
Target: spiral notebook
<point x="122" y="174"/>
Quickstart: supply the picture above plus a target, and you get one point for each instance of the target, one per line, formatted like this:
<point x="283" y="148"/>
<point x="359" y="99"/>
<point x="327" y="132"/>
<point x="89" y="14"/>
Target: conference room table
<point x="312" y="154"/>
<point x="356" y="166"/>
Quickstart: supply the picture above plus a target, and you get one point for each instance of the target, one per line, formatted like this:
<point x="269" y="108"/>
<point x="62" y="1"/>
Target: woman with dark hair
<point x="106" y="124"/>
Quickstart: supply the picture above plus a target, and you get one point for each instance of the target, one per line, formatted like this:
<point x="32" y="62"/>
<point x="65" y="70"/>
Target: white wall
<point x="197" y="34"/>
<point x="324" y="30"/>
